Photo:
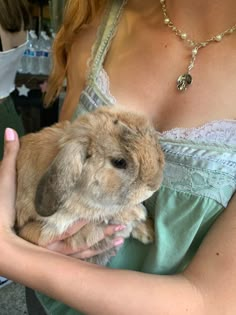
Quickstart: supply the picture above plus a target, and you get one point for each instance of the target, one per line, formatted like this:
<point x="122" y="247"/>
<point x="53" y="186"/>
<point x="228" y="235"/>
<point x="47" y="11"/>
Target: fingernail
<point x="10" y="134"/>
<point x="120" y="228"/>
<point x="118" y="241"/>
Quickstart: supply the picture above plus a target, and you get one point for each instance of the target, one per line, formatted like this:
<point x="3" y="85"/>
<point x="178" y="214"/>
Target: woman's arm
<point x="206" y="287"/>
<point x="213" y="270"/>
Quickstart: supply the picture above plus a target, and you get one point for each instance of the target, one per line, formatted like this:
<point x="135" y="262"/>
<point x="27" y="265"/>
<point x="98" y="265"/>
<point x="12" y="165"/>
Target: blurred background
<point x="31" y="84"/>
<point x="31" y="80"/>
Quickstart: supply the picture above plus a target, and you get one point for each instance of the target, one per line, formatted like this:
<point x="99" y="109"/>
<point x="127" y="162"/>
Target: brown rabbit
<point x="98" y="168"/>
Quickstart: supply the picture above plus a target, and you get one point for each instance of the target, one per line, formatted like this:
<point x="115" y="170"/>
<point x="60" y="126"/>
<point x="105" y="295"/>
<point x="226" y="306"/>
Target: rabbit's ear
<point x="56" y="185"/>
<point x="125" y="130"/>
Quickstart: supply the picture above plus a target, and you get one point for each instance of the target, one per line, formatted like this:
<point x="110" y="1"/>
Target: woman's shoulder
<point x="80" y="50"/>
<point x="85" y="37"/>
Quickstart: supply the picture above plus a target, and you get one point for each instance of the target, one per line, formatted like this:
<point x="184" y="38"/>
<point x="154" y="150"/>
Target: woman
<point x="14" y="20"/>
<point x="137" y="46"/>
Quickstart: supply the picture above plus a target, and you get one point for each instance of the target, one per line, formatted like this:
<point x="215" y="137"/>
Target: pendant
<point x="184" y="81"/>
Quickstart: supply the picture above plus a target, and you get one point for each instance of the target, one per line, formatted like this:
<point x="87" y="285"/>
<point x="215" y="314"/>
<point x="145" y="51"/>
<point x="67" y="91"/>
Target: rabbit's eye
<point x="119" y="163"/>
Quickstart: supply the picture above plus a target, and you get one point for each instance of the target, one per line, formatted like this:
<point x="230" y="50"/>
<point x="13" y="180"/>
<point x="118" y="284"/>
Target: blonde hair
<point x="77" y="13"/>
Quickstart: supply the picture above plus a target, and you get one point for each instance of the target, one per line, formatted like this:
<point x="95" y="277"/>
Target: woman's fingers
<point x="8" y="164"/>
<point x="73" y="229"/>
<point x="62" y="246"/>
<point x="112" y="229"/>
<point x="8" y="178"/>
<point x="88" y="253"/>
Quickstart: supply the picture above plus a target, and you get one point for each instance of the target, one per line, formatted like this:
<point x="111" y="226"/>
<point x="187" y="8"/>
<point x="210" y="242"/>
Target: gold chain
<point x="185" y="79"/>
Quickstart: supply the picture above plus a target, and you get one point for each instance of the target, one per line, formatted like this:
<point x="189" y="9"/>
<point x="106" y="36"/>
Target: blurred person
<point x="14" y="22"/>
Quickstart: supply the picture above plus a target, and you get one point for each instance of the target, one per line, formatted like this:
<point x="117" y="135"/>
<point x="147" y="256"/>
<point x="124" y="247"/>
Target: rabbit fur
<point x="99" y="168"/>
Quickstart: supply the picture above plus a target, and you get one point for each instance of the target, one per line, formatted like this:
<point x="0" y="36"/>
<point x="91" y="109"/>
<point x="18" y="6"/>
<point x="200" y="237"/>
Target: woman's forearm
<point x="96" y="290"/>
<point x="206" y="287"/>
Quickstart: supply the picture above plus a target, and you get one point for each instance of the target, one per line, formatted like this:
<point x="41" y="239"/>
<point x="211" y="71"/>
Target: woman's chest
<point x="144" y="79"/>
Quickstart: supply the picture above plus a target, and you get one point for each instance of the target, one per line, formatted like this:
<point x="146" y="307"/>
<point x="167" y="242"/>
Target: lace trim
<point x="217" y="131"/>
<point x="103" y="83"/>
<point x="205" y="183"/>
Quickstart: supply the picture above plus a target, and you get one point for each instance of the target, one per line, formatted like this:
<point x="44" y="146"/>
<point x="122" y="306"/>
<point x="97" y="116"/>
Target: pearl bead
<point x="190" y="43"/>
<point x="183" y="35"/>
<point x="218" y="38"/>
<point x="166" y="21"/>
<point x="162" y="1"/>
<point x="194" y="51"/>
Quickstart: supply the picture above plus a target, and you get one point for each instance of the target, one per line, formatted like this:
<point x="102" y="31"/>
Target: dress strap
<point x="105" y="34"/>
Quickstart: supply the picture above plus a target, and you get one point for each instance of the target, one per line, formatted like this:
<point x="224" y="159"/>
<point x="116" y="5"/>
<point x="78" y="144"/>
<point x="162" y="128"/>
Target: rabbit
<point x="99" y="168"/>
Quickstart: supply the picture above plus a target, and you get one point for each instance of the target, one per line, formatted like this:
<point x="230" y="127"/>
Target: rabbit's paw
<point x="46" y="237"/>
<point x="144" y="231"/>
<point x="140" y="212"/>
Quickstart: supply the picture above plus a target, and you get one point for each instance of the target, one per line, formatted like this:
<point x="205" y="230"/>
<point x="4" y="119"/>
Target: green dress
<point x="199" y="179"/>
<point x="9" y="118"/>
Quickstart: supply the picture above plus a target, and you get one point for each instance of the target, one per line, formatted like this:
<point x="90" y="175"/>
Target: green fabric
<point x="9" y="118"/>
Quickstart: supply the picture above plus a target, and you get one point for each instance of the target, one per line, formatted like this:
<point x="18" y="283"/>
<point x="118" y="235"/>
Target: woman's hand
<point x="8" y="181"/>
<point x="61" y="246"/>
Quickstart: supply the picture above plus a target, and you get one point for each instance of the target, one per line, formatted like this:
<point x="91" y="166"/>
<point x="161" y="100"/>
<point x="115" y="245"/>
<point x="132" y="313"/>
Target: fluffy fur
<point x="98" y="168"/>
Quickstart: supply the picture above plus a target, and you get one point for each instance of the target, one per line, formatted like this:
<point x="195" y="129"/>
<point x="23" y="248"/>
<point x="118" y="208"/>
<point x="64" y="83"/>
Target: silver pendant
<point x="184" y="81"/>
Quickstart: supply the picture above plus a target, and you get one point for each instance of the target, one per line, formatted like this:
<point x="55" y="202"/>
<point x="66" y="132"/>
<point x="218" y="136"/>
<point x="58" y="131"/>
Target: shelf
<point x="31" y="81"/>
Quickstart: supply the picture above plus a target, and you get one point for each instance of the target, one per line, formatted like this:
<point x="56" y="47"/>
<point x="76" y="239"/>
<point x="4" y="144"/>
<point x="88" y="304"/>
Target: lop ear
<point x="56" y="185"/>
<point x="126" y="132"/>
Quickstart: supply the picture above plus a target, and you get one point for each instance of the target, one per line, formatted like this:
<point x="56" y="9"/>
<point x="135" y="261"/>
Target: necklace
<point x="185" y="79"/>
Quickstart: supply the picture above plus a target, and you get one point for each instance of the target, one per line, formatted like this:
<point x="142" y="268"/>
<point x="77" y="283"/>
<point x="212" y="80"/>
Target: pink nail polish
<point x="10" y="134"/>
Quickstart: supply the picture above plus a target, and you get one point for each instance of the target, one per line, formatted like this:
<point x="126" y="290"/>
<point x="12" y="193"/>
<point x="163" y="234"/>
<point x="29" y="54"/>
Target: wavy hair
<point x="77" y="13"/>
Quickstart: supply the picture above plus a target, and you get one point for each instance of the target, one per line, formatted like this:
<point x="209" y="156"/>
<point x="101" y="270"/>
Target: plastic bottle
<point x="41" y="39"/>
<point x="33" y="65"/>
<point x="24" y="67"/>
<point x="40" y="44"/>
<point x="24" y="61"/>
<point x="45" y="56"/>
